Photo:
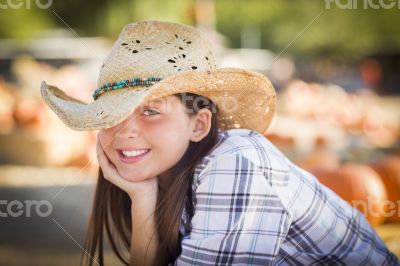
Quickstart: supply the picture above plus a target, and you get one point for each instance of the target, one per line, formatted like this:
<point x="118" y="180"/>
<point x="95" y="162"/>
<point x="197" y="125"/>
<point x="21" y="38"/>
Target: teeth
<point x="133" y="153"/>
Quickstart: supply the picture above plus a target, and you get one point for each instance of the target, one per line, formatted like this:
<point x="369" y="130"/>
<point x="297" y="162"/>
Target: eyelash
<point x="151" y="110"/>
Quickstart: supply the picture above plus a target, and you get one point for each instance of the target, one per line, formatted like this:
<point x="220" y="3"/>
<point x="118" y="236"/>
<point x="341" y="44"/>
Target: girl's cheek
<point x="102" y="137"/>
<point x="105" y="137"/>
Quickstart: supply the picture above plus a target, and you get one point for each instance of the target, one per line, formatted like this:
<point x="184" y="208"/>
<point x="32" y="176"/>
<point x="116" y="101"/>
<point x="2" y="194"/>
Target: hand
<point x="134" y="189"/>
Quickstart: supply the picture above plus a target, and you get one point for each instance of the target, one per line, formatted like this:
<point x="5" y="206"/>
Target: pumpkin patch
<point x="360" y="186"/>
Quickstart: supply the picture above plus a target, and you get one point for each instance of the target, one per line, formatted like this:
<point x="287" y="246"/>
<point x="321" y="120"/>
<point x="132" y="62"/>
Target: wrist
<point x="147" y="199"/>
<point x="144" y="191"/>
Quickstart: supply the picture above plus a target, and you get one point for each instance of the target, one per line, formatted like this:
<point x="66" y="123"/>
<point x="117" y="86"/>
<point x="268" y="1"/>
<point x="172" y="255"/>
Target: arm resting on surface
<point x="144" y="243"/>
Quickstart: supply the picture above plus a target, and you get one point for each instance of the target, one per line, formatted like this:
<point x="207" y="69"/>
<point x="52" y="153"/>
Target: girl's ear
<point x="201" y="125"/>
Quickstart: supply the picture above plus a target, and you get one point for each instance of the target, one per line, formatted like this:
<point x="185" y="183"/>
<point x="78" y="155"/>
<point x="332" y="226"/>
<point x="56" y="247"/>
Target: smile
<point x="134" y="153"/>
<point x="132" y="156"/>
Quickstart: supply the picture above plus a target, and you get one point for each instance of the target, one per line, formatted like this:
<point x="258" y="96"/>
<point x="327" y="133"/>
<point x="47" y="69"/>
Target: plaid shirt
<point x="255" y="207"/>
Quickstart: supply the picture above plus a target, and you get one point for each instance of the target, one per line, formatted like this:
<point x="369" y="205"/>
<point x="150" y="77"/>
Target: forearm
<point x="144" y="243"/>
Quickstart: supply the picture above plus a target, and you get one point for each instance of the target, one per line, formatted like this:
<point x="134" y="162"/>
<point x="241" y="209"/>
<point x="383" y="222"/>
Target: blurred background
<point x="335" y="66"/>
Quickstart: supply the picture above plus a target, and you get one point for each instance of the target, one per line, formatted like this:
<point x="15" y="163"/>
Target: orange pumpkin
<point x="360" y="186"/>
<point x="86" y="158"/>
<point x="389" y="171"/>
<point x="318" y="158"/>
<point x="279" y="140"/>
<point x="26" y="110"/>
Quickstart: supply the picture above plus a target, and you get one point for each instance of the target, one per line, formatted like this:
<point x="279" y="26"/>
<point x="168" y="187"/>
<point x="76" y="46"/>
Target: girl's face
<point x="153" y="138"/>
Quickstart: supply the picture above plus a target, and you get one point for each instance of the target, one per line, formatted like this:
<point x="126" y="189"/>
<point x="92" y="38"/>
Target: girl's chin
<point x="134" y="178"/>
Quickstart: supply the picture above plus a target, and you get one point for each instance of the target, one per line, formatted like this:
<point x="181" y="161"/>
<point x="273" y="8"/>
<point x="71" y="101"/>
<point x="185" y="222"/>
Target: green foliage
<point x="23" y="23"/>
<point x="335" y="31"/>
<point x="282" y="23"/>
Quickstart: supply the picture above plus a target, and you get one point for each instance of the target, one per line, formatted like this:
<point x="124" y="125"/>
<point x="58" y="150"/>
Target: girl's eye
<point x="150" y="112"/>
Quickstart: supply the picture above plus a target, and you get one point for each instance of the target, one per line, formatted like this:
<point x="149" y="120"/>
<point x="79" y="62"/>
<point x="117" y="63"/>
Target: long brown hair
<point x="111" y="211"/>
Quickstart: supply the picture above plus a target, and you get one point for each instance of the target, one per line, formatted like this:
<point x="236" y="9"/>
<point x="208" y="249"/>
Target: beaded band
<point x="123" y="84"/>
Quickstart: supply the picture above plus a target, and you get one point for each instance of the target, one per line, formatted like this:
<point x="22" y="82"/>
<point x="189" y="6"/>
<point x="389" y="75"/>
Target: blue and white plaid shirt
<point x="253" y="206"/>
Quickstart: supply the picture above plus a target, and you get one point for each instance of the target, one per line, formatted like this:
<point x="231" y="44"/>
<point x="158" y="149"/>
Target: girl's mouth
<point x="132" y="156"/>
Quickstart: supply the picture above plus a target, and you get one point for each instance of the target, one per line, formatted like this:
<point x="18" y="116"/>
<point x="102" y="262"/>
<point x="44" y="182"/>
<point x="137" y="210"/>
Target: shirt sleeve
<point x="238" y="217"/>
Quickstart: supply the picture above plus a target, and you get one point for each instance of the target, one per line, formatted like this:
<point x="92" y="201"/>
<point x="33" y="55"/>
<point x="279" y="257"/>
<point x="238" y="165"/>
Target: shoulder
<point x="244" y="160"/>
<point x="242" y="149"/>
<point x="225" y="169"/>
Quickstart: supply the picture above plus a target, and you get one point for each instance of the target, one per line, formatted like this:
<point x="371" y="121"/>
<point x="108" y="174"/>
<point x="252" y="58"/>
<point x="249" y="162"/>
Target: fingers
<point x="101" y="156"/>
<point x="134" y="189"/>
<point x="109" y="171"/>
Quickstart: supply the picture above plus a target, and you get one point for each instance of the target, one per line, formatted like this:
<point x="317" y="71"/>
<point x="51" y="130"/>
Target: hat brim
<point x="245" y="99"/>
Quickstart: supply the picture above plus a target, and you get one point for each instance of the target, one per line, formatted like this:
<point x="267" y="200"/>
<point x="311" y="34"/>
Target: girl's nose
<point x="129" y="128"/>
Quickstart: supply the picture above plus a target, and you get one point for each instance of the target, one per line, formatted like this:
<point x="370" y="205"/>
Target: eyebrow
<point x="157" y="103"/>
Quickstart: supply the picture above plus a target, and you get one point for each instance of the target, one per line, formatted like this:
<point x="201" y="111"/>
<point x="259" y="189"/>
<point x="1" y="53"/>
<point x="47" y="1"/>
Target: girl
<point x="186" y="176"/>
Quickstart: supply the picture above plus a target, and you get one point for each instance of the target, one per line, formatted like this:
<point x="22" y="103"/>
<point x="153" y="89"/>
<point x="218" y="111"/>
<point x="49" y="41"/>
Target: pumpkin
<point x="318" y="158"/>
<point x="389" y="171"/>
<point x="381" y="126"/>
<point x="360" y="186"/>
<point x="26" y="110"/>
<point x="7" y="101"/>
<point x="280" y="140"/>
<point x="87" y="157"/>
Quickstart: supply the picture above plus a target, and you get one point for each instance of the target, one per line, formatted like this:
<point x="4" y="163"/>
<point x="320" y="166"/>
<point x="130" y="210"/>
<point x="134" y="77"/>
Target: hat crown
<point x="156" y="49"/>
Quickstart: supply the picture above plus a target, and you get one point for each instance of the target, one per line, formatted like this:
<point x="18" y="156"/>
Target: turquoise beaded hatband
<point x="123" y="84"/>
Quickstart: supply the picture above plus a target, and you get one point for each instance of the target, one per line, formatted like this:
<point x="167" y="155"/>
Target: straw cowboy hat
<point x="152" y="59"/>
